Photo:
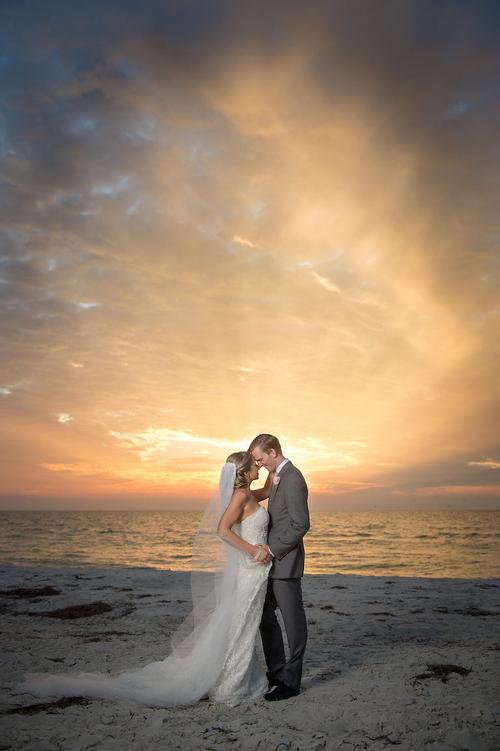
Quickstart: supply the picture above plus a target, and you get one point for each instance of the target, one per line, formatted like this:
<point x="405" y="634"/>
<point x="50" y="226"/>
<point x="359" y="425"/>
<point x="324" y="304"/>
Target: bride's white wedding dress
<point x="220" y="660"/>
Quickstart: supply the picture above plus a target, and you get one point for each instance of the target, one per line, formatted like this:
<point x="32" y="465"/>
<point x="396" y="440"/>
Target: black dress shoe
<point x="272" y="681"/>
<point x="281" y="692"/>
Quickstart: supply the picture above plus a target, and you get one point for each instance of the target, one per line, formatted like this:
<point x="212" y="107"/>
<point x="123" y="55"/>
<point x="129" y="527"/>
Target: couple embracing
<point x="247" y="563"/>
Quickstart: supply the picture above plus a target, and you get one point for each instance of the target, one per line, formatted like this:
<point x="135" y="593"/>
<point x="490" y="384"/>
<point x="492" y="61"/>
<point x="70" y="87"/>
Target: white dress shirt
<point x="281" y="465"/>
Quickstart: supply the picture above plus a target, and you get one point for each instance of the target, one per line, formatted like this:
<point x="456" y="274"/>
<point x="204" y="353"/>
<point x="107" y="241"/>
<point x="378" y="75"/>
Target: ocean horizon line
<point x="370" y="510"/>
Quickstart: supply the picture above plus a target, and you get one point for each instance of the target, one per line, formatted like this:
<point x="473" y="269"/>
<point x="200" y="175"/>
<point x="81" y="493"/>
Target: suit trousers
<point x="285" y="594"/>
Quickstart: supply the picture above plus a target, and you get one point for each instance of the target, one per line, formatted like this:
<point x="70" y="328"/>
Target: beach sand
<point x="368" y="677"/>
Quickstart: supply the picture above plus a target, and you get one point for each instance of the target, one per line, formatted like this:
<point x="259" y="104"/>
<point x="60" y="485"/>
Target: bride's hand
<point x="257" y="553"/>
<point x="261" y="554"/>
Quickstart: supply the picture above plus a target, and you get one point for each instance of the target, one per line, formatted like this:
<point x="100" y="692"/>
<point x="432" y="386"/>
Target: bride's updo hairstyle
<point x="243" y="463"/>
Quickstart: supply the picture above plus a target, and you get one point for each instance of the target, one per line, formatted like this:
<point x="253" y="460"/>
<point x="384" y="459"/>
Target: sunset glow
<point x="212" y="229"/>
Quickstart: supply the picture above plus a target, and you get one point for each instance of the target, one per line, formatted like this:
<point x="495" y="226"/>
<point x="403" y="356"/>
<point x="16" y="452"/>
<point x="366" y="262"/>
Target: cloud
<point x="80" y="469"/>
<point x="449" y="490"/>
<point x="486" y="463"/>
<point x="138" y="150"/>
<point x="244" y="241"/>
<point x="325" y="283"/>
<point x="157" y="444"/>
<point x="64" y="417"/>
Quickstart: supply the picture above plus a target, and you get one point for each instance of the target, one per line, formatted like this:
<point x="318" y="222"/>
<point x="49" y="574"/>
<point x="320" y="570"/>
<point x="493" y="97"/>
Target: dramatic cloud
<point x="223" y="218"/>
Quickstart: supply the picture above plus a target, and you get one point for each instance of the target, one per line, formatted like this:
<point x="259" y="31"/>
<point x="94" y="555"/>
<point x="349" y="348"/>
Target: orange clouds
<point x="228" y="226"/>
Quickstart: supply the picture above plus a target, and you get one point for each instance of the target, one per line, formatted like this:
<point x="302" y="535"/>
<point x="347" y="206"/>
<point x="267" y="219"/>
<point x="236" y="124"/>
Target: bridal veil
<point x="198" y="645"/>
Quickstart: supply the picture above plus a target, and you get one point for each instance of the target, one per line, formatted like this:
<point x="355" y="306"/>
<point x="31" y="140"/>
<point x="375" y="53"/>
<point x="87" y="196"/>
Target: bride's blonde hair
<point x="243" y="462"/>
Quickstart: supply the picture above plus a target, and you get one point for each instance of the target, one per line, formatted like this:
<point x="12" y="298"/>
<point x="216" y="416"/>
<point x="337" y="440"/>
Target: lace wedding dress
<point x="242" y="676"/>
<point x="220" y="659"/>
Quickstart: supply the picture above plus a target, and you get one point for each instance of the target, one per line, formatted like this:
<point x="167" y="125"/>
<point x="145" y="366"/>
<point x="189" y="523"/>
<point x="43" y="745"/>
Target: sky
<point x="226" y="218"/>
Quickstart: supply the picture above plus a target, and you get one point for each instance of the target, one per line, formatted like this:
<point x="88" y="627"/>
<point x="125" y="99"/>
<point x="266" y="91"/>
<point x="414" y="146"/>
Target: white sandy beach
<point x="369" y="639"/>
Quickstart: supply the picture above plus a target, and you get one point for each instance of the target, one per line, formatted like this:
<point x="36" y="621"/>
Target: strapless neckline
<point x="261" y="508"/>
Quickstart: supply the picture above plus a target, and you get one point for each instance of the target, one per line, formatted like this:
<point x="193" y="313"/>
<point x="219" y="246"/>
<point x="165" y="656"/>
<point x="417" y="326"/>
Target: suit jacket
<point x="288" y="523"/>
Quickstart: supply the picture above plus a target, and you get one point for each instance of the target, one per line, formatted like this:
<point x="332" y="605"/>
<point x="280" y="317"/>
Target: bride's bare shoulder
<point x="240" y="497"/>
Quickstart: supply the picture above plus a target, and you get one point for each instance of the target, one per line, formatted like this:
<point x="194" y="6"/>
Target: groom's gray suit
<point x="288" y="523"/>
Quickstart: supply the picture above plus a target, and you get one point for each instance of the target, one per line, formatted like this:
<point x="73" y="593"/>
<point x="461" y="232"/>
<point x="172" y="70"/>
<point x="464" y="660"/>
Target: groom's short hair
<point x="266" y="442"/>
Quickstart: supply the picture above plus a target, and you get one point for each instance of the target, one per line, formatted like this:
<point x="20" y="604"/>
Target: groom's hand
<point x="267" y="554"/>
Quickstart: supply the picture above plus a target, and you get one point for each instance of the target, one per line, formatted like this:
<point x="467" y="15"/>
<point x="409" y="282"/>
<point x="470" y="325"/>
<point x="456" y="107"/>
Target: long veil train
<point x="198" y="645"/>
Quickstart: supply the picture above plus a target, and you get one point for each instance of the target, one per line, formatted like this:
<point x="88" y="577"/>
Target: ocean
<point x="454" y="544"/>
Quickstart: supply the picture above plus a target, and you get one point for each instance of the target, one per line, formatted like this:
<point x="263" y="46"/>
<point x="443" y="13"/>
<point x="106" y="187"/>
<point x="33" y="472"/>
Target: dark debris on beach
<point x="96" y="636"/>
<point x="441" y="672"/>
<point x="467" y="611"/>
<point x="28" y="593"/>
<point x="75" y="611"/>
<point x="66" y="701"/>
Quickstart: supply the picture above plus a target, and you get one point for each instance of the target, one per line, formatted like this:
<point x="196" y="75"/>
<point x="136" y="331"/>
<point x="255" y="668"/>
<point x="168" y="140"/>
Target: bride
<point x="214" y="650"/>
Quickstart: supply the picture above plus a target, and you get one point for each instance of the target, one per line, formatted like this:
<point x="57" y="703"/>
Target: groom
<point x="288" y="523"/>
